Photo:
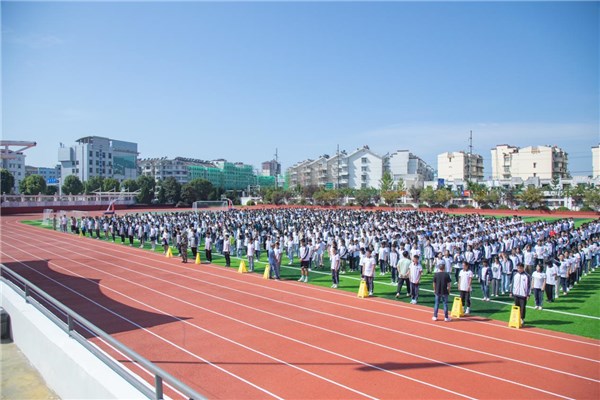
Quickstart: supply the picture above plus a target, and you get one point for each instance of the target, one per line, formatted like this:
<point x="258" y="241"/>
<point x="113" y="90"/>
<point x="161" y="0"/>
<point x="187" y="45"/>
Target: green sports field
<point x="577" y="313"/>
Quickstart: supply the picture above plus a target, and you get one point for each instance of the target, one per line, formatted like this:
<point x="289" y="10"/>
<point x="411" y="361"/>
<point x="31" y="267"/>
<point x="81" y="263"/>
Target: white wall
<point x="66" y="366"/>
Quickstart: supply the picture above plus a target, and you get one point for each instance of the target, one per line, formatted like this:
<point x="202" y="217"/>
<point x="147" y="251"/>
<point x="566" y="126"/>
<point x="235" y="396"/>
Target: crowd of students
<point x="507" y="256"/>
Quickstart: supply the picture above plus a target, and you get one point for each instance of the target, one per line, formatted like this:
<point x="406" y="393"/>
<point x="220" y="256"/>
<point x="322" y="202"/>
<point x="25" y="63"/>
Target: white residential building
<point x="596" y="161"/>
<point x="99" y="156"/>
<point x="544" y="162"/>
<point x="162" y="168"/>
<point x="365" y="169"/>
<point x="459" y="166"/>
<point x="359" y="169"/>
<point x="404" y="165"/>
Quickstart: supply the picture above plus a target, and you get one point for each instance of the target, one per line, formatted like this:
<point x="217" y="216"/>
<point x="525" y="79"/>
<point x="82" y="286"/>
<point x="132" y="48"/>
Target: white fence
<point x="62" y="201"/>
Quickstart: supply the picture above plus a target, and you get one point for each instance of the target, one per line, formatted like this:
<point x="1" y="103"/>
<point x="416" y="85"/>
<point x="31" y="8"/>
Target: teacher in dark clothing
<point x="441" y="289"/>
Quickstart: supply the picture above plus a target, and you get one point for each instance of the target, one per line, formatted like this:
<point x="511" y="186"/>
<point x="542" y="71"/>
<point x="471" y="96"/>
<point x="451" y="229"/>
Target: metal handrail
<point x="160" y="375"/>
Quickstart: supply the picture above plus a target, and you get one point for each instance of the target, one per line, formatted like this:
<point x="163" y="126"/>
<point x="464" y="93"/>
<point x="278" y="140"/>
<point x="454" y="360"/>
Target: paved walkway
<point x="20" y="380"/>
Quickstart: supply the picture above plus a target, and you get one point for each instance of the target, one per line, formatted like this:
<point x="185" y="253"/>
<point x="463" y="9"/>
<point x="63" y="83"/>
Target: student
<point x="403" y="266"/>
<point x="227" y="250"/>
<point x="183" y="247"/>
<point x="208" y="247"/>
<point x="369" y="270"/>
<point x="563" y="273"/>
<point x="250" y="254"/>
<point x="485" y="278"/>
<point x="539" y="283"/>
<point x="521" y="289"/>
<point x="496" y="276"/>
<point x="343" y="253"/>
<point x="465" y="278"/>
<point x="507" y="269"/>
<point x="304" y="261"/>
<point x="393" y="262"/>
<point x="429" y="256"/>
<point x="165" y="240"/>
<point x="335" y="267"/>
<point x="441" y="290"/>
<point x="415" y="272"/>
<point x="551" y="278"/>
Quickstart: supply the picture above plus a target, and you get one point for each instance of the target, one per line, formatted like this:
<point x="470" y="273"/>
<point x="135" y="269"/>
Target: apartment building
<point x="460" y="166"/>
<point x="544" y="162"/>
<point x="99" y="156"/>
<point x="402" y="164"/>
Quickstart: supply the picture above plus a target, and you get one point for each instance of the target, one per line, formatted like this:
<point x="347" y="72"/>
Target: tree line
<point x="167" y="191"/>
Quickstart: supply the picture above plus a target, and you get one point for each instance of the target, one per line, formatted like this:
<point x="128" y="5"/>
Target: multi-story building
<point x="365" y="169"/>
<point x="460" y="166"/>
<point x="596" y="161"/>
<point x="271" y="168"/>
<point x="50" y="175"/>
<point x="14" y="162"/>
<point x="297" y="174"/>
<point x="359" y="169"/>
<point x="544" y="162"/>
<point x="163" y="168"/>
<point x="404" y="165"/>
<point x="99" y="156"/>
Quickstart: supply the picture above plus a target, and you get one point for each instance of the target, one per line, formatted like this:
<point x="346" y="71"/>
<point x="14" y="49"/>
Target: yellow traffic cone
<point x="242" y="269"/>
<point x="198" y="261"/>
<point x="267" y="274"/>
<point x="169" y="253"/>
<point x="362" y="289"/>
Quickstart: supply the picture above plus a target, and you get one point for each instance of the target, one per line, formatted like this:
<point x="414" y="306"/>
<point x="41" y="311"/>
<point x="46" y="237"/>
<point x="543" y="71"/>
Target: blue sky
<point x="237" y="80"/>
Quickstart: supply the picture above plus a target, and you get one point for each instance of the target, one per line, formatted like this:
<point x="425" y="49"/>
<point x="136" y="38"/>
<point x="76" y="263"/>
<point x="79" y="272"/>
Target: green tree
<point x="532" y="197"/>
<point x="415" y="193"/>
<point x="129" y="185"/>
<point x="391" y="197"/>
<point x="442" y="196"/>
<point x="162" y="194"/>
<point x="146" y="185"/>
<point x="51" y="190"/>
<point x="33" y="184"/>
<point x="309" y="191"/>
<point x="578" y="194"/>
<point x="400" y="186"/>
<point x="365" y="196"/>
<point x="591" y="198"/>
<point x="7" y="181"/>
<point x="172" y="190"/>
<point x="93" y="184"/>
<point x="196" y="189"/>
<point x="72" y="185"/>
<point x="427" y="195"/>
<point x="386" y="182"/>
<point x="111" y="184"/>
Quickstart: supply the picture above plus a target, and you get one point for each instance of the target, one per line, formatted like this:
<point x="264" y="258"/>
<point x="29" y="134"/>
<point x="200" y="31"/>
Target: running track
<point x="238" y="336"/>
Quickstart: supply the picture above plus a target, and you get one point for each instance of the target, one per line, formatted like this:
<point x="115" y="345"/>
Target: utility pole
<point x="338" y="167"/>
<point x="469" y="156"/>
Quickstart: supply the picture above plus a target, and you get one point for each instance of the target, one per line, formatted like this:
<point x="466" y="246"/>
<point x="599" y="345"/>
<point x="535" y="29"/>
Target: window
<point x="534" y="165"/>
<point x="109" y="155"/>
<point x="364" y="169"/>
<point x="364" y="160"/>
<point x="91" y="170"/>
<point x="534" y="174"/>
<point x="91" y="153"/>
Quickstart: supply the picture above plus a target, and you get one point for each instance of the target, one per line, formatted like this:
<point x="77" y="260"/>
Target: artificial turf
<point x="577" y="313"/>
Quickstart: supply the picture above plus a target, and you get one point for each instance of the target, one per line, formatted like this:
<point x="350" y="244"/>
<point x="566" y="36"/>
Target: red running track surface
<point x="238" y="336"/>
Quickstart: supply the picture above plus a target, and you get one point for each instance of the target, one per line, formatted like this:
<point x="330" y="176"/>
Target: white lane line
<point x="466" y="369"/>
<point x="377" y="312"/>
